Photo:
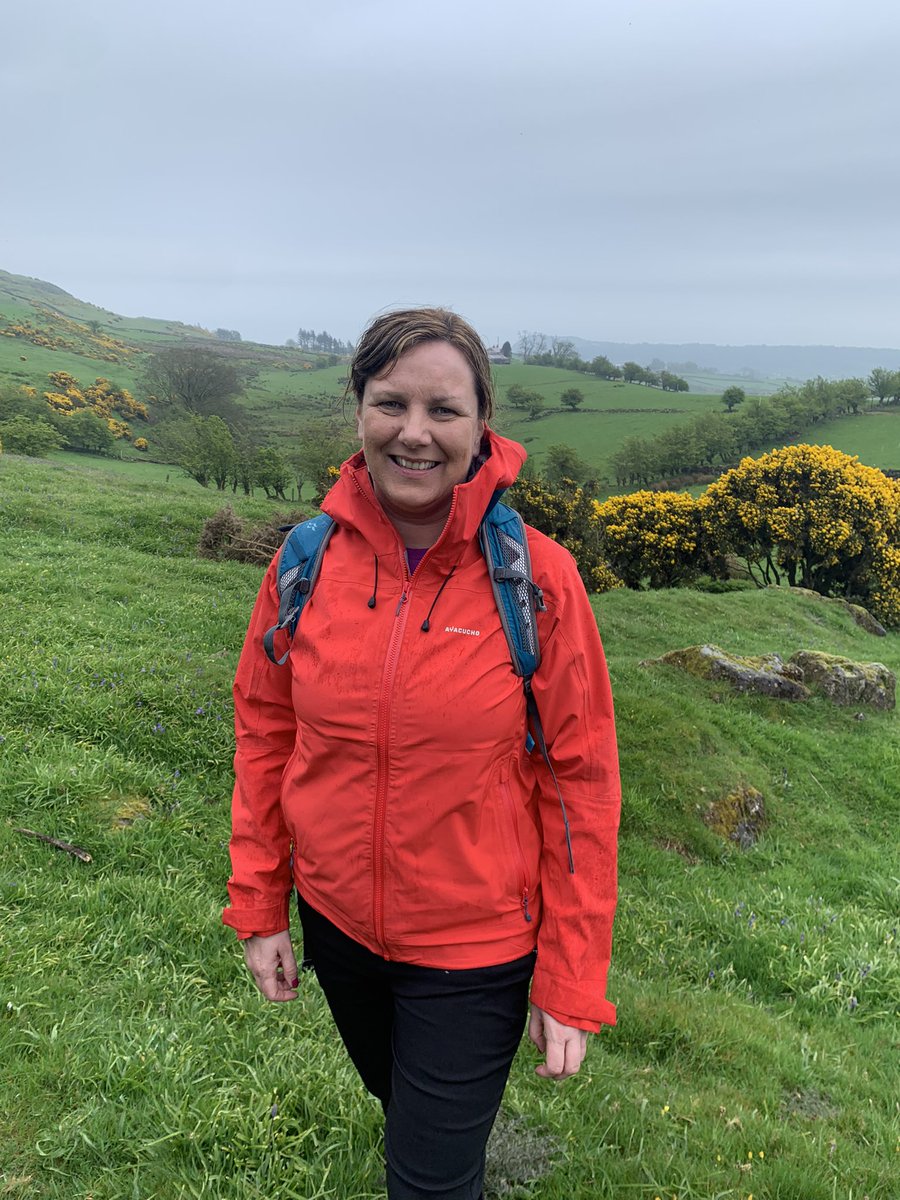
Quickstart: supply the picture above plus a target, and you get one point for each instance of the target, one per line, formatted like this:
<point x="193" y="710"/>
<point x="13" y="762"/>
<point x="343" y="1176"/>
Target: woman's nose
<point x="416" y="430"/>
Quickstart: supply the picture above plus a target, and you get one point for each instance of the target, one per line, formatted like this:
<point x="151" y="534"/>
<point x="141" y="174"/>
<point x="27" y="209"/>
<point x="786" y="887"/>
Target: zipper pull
<point x="400" y="603"/>
<point x="525" y="911"/>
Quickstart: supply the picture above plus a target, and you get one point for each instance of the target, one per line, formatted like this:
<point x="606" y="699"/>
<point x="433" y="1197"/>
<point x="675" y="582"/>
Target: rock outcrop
<point x="767" y="674"/>
<point x="846" y="682"/>
<point x="840" y="680"/>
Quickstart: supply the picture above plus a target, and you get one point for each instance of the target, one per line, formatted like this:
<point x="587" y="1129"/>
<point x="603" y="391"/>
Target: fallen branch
<point x="75" y="851"/>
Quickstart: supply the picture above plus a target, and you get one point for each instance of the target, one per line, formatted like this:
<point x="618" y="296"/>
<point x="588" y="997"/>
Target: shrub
<point x="812" y="517"/>
<point x="565" y="513"/>
<point x="651" y="538"/>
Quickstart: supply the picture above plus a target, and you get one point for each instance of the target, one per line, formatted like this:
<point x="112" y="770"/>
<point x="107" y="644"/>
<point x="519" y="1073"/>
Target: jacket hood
<point x="352" y="500"/>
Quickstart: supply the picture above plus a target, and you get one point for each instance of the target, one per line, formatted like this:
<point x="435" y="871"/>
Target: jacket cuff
<point x="581" y="1005"/>
<point x="247" y="922"/>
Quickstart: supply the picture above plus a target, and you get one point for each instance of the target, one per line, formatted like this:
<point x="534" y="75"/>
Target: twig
<point x="75" y="851"/>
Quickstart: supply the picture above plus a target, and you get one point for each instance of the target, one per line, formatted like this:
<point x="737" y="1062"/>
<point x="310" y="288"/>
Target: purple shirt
<point x="414" y="557"/>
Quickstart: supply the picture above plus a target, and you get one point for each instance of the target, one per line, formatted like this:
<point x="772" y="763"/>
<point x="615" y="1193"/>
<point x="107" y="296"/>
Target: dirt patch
<point x="518" y="1154"/>
<point x="808" y="1103"/>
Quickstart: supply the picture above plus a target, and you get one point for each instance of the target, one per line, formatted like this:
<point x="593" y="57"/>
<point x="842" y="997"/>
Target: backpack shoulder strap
<point x="299" y="561"/>
<point x="504" y="543"/>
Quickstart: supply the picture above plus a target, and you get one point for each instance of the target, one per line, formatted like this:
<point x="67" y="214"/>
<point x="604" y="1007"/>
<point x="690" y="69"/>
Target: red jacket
<point x="383" y="770"/>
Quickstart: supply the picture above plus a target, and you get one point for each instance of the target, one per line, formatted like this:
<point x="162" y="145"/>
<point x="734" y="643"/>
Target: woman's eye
<point x="444" y="412"/>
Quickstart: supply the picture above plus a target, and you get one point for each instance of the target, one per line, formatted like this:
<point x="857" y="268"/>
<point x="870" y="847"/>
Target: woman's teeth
<point x="414" y="464"/>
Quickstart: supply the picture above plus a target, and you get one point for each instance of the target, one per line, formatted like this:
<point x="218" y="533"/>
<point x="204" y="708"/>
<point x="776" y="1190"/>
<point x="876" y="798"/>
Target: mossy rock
<point x="846" y="682"/>
<point x="766" y="674"/>
<point x="740" y="816"/>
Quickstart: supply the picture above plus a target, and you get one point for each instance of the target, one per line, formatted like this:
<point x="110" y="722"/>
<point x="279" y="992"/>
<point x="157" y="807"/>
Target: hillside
<point x="44" y="329"/>
<point x="756" y="989"/>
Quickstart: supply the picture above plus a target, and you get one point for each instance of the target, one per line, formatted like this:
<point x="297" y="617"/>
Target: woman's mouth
<point x="413" y="464"/>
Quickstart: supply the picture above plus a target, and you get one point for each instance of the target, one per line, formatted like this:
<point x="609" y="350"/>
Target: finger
<point x="536" y="1029"/>
<point x="289" y="962"/>
<point x="554" y="1060"/>
<point x="564" y="1057"/>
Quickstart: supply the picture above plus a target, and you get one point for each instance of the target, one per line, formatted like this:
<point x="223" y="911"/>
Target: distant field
<point x="715" y="384"/>
<point x="874" y="437"/>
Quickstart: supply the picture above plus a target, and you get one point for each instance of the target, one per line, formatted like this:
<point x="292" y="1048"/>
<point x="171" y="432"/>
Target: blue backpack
<point x="518" y="598"/>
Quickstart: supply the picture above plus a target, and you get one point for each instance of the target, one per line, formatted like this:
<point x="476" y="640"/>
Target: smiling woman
<point x="420" y="431"/>
<point x="385" y="775"/>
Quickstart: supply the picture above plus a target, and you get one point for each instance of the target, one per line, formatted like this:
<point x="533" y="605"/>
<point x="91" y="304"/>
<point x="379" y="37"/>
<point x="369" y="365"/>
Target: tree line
<point x="540" y="351"/>
<point x="323" y="343"/>
<point x="708" y="443"/>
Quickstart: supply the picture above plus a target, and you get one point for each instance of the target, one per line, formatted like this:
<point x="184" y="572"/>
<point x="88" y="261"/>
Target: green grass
<point x="873" y="436"/>
<point x="757" y="990"/>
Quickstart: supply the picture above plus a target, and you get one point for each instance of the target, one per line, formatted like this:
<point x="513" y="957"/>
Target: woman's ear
<point x="359" y="420"/>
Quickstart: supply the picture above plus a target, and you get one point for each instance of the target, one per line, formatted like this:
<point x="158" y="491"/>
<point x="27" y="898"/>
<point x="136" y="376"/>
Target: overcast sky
<point x="630" y="170"/>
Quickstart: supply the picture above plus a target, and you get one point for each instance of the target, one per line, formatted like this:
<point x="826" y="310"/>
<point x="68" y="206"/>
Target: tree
<point x="86" y="431"/>
<point x="200" y="382"/>
<point x="34" y="437"/>
<point x="228" y="335"/>
<point x="733" y="396"/>
<point x="881" y="383"/>
<point x="506" y="350"/>
<point x="519" y="396"/>
<point x="536" y="406"/>
<point x="604" y="369"/>
<point x="571" y="398"/>
<point x="672" y="383"/>
<point x="563" y="463"/>
<point x="271" y="472"/>
<point x="563" y="352"/>
<point x="202" y="446"/>
<point x="323" y="446"/>
<point x="531" y="344"/>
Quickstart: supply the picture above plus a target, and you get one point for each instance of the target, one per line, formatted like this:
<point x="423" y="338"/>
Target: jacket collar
<point x="352" y="501"/>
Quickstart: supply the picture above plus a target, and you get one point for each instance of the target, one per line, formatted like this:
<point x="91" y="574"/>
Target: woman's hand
<point x="563" y="1046"/>
<point x="272" y="964"/>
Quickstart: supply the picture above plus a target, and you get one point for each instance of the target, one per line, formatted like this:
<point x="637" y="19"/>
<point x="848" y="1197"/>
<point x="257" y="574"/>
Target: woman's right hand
<point x="273" y="966"/>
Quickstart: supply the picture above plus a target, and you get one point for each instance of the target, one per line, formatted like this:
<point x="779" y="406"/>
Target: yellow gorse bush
<point x="812" y="517"/>
<point x="651" y="538"/>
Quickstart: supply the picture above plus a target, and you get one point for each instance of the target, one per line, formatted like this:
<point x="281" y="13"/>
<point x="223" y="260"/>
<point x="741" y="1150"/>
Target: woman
<point x="384" y="773"/>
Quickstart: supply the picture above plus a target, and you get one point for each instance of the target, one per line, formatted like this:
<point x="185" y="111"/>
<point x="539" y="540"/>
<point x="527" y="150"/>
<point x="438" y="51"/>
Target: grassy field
<point x="757" y="1040"/>
<point x="873" y="436"/>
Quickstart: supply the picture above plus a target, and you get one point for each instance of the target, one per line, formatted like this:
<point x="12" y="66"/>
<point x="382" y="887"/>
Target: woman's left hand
<point x="563" y="1046"/>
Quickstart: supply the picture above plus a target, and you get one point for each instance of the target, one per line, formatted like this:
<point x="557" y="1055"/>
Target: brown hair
<point x="393" y="333"/>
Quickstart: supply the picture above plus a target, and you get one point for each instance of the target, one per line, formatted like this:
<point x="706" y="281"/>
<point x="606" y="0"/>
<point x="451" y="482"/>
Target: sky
<point x="677" y="171"/>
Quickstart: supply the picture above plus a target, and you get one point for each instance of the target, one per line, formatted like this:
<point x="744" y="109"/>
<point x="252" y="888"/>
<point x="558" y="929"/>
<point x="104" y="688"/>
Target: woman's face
<point x="420" y="429"/>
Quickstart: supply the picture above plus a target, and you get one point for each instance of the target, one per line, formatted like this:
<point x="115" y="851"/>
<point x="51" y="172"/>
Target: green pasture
<point x="757" y="991"/>
<point x="715" y="383"/>
<point x="873" y="436"/>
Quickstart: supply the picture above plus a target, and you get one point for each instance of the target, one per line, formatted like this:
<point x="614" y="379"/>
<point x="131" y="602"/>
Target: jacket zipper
<point x="520" y="856"/>
<point x="382" y="734"/>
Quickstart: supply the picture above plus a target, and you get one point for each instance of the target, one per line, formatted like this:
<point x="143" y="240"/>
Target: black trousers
<point x="434" y="1046"/>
